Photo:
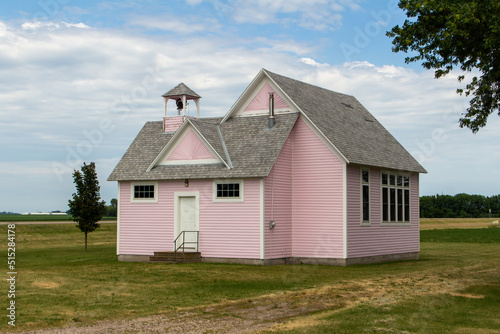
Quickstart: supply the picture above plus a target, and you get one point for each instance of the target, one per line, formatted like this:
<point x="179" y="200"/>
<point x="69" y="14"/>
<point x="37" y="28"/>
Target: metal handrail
<point x="184" y="242"/>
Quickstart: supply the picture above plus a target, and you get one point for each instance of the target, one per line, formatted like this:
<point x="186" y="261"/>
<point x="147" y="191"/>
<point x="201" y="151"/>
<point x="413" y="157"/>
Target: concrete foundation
<point x="134" y="258"/>
<point x="292" y="260"/>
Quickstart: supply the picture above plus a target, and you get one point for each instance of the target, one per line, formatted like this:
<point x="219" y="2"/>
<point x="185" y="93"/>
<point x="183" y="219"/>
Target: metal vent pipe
<point x="271" y="111"/>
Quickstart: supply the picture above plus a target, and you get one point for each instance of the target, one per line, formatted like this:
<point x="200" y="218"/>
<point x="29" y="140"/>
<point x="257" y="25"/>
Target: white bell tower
<point x="181" y="94"/>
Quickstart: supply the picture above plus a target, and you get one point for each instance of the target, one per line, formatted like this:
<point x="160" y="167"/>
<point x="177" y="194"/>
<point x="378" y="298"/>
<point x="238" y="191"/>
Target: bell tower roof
<point x="181" y="90"/>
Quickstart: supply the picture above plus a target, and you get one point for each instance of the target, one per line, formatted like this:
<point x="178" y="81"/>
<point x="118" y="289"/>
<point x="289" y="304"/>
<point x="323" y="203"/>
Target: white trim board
<point x="118" y="220"/>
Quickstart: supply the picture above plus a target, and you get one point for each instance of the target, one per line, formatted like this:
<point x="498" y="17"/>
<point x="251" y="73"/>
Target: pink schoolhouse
<point x="293" y="173"/>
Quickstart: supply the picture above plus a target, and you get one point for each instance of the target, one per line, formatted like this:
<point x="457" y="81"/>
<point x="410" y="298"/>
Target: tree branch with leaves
<point x="462" y="34"/>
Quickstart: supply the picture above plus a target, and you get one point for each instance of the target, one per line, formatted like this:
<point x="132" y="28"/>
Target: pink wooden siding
<point x="190" y="148"/>
<point x="278" y="205"/>
<point x="317" y="196"/>
<point x="230" y="230"/>
<point x="142" y="225"/>
<point x="173" y="123"/>
<point x="378" y="239"/>
<point x="261" y="100"/>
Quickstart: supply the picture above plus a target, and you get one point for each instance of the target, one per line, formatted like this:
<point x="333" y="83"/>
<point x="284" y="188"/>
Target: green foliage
<point x="112" y="210"/>
<point x="86" y="207"/>
<point x="462" y="34"/>
<point x="459" y="206"/>
<point x="39" y="218"/>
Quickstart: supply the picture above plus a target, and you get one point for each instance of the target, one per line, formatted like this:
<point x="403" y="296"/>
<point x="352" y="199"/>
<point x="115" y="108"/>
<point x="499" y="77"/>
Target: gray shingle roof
<point x="359" y="137"/>
<point x="208" y="129"/>
<point x="251" y="158"/>
<point x="253" y="148"/>
<point x="181" y="89"/>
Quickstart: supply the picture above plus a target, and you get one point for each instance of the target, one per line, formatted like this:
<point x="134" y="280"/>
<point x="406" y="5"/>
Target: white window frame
<point x="144" y="200"/>
<point x="228" y="199"/>
<point x="361" y="185"/>
<point x="395" y="187"/>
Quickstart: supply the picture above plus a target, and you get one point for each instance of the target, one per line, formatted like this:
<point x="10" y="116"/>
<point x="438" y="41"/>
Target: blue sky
<point x="80" y="78"/>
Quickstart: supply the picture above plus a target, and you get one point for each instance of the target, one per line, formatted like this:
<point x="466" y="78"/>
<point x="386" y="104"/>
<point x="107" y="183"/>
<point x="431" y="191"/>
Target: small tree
<point x="86" y="207"/>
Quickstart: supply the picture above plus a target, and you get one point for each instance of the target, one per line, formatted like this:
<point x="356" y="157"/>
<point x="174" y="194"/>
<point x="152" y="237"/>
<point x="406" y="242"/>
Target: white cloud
<point x="184" y="25"/>
<point x="35" y="25"/>
<point x="76" y="25"/>
<point x="60" y="84"/>
<point x="311" y="62"/>
<point x="289" y="46"/>
<point x="310" y="14"/>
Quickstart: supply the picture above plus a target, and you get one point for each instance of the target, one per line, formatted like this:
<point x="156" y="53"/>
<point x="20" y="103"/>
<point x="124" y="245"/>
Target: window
<point x="395" y="198"/>
<point x="365" y="196"/>
<point x="228" y="191"/>
<point x="407" y="205"/>
<point x="392" y="191"/>
<point x="225" y="190"/>
<point x="385" y="204"/>
<point x="400" y="204"/>
<point x="144" y="192"/>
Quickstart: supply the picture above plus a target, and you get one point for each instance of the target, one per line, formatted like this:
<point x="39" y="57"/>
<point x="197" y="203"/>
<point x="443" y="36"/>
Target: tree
<point x="461" y="33"/>
<point x="86" y="207"/>
<point x="112" y="209"/>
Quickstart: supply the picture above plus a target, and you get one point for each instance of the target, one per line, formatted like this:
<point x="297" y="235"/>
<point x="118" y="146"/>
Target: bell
<point x="180" y="105"/>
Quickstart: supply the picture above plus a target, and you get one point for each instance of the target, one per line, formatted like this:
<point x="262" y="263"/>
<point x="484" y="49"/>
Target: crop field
<point x="42" y="218"/>
<point x="453" y="223"/>
<point x="453" y="288"/>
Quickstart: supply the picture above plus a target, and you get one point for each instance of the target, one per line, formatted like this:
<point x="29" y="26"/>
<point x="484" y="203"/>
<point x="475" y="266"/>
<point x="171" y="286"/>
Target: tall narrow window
<point x="407" y="205"/>
<point x="365" y="194"/>
<point x="385" y="204"/>
<point x="392" y="191"/>
<point x="400" y="205"/>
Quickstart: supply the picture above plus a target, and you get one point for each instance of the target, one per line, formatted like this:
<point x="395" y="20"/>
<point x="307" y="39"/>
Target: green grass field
<point x="454" y="287"/>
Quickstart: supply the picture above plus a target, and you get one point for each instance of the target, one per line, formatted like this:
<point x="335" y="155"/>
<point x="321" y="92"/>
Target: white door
<point x="188" y="221"/>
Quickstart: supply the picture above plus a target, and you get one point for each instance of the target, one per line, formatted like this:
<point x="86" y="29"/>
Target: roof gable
<point x="347" y="125"/>
<point x="260" y="102"/>
<point x="191" y="148"/>
<point x="187" y="147"/>
<point x="255" y="99"/>
<point x="252" y="147"/>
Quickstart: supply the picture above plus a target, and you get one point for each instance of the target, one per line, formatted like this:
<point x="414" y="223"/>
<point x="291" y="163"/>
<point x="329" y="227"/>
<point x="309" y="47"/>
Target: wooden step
<point x="171" y="257"/>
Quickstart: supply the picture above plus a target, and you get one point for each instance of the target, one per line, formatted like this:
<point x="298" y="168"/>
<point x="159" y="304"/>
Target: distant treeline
<point x="459" y="206"/>
<point x="111" y="210"/>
